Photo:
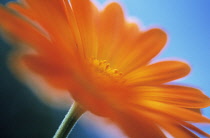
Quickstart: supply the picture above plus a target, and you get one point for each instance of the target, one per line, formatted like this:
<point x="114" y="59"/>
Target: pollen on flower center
<point x="103" y="67"/>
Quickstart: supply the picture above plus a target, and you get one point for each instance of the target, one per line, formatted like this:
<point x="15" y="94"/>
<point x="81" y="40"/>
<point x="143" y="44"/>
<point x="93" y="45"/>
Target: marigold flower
<point x="105" y="63"/>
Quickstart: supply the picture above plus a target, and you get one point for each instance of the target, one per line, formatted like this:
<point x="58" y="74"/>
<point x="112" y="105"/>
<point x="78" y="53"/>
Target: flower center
<point x="103" y="67"/>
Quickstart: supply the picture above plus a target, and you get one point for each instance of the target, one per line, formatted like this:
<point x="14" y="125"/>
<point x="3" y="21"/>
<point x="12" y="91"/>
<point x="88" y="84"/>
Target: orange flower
<point x="104" y="62"/>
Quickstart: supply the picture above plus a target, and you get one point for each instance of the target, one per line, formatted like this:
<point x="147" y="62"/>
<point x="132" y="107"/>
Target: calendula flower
<point x="104" y="61"/>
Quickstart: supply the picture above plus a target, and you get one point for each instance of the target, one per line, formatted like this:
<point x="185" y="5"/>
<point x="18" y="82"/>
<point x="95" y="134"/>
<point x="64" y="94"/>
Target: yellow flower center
<point x="103" y="67"/>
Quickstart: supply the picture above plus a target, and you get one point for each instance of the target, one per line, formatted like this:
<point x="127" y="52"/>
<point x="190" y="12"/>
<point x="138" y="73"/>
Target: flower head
<point x="104" y="61"/>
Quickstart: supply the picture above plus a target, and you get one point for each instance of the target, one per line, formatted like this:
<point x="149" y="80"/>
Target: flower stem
<point x="69" y="121"/>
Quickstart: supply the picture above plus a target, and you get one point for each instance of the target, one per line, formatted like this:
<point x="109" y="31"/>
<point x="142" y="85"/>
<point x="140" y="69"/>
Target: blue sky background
<point x="187" y="23"/>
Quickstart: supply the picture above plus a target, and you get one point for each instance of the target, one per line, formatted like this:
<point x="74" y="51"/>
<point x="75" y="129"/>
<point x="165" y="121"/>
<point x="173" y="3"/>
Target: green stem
<point x="69" y="121"/>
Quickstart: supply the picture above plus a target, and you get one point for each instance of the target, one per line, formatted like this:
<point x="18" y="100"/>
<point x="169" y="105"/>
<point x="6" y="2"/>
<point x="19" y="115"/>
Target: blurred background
<point x="23" y="115"/>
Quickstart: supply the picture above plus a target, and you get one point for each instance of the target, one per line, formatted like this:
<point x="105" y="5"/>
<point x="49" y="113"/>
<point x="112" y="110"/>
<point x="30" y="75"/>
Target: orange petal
<point x="141" y="51"/>
<point x="53" y="73"/>
<point x="178" y="131"/>
<point x="127" y="37"/>
<point x="137" y="126"/>
<point x="180" y="96"/>
<point x="197" y="110"/>
<point x="158" y="73"/>
<point x="110" y="27"/>
<point x="175" y="126"/>
<point x="181" y="129"/>
<point x="20" y="9"/>
<point x="195" y="129"/>
<point x="171" y="111"/>
<point x="175" y="129"/>
<point x="86" y="15"/>
<point x="51" y="15"/>
<point x="25" y="32"/>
